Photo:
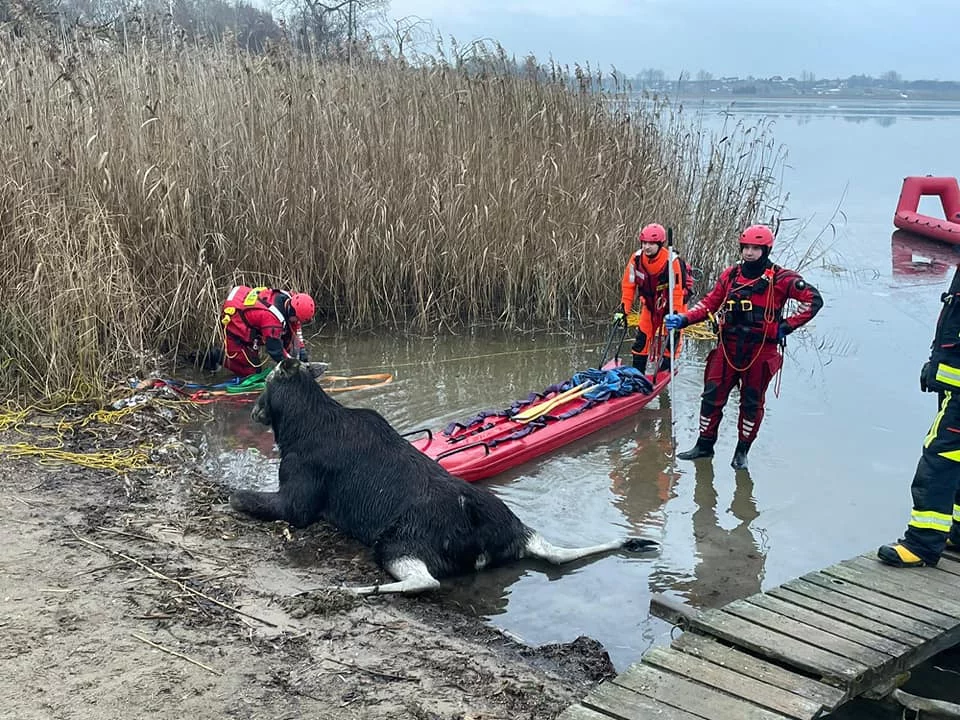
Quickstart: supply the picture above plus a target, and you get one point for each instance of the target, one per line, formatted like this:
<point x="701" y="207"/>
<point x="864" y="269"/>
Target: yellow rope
<point x="115" y="459"/>
<point x="700" y="331"/>
<point x="121" y="460"/>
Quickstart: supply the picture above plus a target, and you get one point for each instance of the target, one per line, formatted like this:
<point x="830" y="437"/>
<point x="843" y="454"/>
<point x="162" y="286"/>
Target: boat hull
<point x="473" y="454"/>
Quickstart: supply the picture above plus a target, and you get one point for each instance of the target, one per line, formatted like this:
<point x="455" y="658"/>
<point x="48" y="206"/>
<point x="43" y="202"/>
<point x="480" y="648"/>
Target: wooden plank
<point x="901" y="637"/>
<point x="813" y="618"/>
<point x="807" y="633"/>
<point x="848" y="605"/>
<point x="903" y="584"/>
<point x="777" y="646"/>
<point x="709" y="649"/>
<point x="732" y="682"/>
<point x="579" y="712"/>
<point x="932" y="577"/>
<point x="692" y="697"/>
<point x="949" y="566"/>
<point x="620" y="702"/>
<point x="671" y="609"/>
<point x="880" y="600"/>
<point x="933" y="588"/>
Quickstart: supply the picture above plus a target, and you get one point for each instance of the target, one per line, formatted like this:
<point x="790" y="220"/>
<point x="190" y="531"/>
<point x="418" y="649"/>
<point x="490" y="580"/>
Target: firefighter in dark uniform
<point x="748" y="302"/>
<point x="935" y="518"/>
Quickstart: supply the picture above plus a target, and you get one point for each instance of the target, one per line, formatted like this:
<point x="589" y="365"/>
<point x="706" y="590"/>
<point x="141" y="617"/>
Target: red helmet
<point x="757" y="235"/>
<point x="303" y="306"/>
<point x="653" y="233"/>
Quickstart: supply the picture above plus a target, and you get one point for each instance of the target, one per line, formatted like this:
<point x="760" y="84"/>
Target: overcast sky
<point x="830" y="38"/>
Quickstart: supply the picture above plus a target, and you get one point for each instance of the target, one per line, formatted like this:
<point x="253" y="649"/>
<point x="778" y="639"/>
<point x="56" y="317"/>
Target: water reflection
<point x="916" y="258"/>
<point x="730" y="562"/>
<point x="641" y="478"/>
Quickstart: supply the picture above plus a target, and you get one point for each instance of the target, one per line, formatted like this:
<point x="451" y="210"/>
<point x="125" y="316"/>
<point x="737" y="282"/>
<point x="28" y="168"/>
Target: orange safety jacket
<point x="647" y="279"/>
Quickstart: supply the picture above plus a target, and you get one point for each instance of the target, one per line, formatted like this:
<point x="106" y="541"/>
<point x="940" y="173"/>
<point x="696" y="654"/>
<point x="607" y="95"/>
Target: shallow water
<point x="829" y="475"/>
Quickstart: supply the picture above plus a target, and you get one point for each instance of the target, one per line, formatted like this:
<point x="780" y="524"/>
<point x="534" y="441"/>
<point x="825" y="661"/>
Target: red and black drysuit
<point x="749" y="313"/>
<point x="252" y="317"/>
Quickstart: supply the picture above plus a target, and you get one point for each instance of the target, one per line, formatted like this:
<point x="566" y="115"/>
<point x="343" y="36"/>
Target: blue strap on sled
<point x="616" y="382"/>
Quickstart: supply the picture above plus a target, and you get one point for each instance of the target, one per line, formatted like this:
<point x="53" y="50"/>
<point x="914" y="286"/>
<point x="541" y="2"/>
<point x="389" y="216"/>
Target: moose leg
<point x="411" y="574"/>
<point x="537" y="547"/>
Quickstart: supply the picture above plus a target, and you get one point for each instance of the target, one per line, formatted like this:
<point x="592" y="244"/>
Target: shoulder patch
<point x="799" y="284"/>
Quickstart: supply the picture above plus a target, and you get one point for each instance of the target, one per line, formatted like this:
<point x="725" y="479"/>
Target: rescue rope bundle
<point x="53" y="451"/>
<point x="692" y="332"/>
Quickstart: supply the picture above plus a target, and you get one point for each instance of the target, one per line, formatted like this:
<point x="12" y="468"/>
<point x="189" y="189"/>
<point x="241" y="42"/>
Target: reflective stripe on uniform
<point x="956" y="513"/>
<point x="948" y="375"/>
<point x="930" y="520"/>
<point x="279" y="315"/>
<point x="935" y="425"/>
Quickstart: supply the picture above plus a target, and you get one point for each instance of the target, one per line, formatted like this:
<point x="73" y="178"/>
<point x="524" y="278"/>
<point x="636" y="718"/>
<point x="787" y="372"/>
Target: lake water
<point x="830" y="472"/>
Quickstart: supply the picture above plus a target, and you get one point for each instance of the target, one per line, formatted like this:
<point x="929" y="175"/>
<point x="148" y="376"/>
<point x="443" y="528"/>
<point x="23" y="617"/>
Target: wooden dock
<point x="800" y="650"/>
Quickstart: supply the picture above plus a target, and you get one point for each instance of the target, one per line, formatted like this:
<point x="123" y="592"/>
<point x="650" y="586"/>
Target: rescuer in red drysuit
<point x="747" y="302"/>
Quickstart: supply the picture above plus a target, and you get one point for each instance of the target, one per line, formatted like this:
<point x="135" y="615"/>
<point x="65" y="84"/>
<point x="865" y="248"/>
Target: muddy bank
<point x="138" y="594"/>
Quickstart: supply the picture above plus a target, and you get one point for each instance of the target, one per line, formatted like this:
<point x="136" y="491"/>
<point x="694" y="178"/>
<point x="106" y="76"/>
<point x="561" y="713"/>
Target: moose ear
<point x="317" y="369"/>
<point x="288" y="367"/>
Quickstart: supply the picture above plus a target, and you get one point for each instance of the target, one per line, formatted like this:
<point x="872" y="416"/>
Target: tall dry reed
<point x="136" y="187"/>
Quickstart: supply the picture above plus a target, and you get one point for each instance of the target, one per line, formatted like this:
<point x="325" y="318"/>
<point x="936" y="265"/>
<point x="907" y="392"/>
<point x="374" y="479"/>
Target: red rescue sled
<point x="483" y="448"/>
<point x="946" y="229"/>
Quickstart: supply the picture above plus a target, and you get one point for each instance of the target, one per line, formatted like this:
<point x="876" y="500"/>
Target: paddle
<point x="535" y="411"/>
<point x="557" y="402"/>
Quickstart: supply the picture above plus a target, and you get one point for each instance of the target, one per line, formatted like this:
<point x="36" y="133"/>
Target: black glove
<point x="302" y="356"/>
<point x="923" y="378"/>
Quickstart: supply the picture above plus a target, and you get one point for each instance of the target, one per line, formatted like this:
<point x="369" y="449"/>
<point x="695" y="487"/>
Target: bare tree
<point x="327" y="25"/>
<point x="406" y="33"/>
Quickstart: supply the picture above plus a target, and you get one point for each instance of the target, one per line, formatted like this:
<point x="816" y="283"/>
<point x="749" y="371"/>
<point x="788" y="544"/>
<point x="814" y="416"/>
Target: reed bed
<point x="138" y="186"/>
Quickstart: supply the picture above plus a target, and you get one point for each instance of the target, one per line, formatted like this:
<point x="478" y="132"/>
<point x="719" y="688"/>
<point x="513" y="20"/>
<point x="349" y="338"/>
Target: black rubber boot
<point x="640" y="363"/>
<point x="899" y="555"/>
<point x="739" y="461"/>
<point x="210" y="359"/>
<point x="703" y="449"/>
<point x="664" y="365"/>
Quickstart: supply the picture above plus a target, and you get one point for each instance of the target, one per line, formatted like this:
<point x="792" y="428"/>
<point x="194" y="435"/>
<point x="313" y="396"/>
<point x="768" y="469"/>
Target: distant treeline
<point x="890" y="84"/>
